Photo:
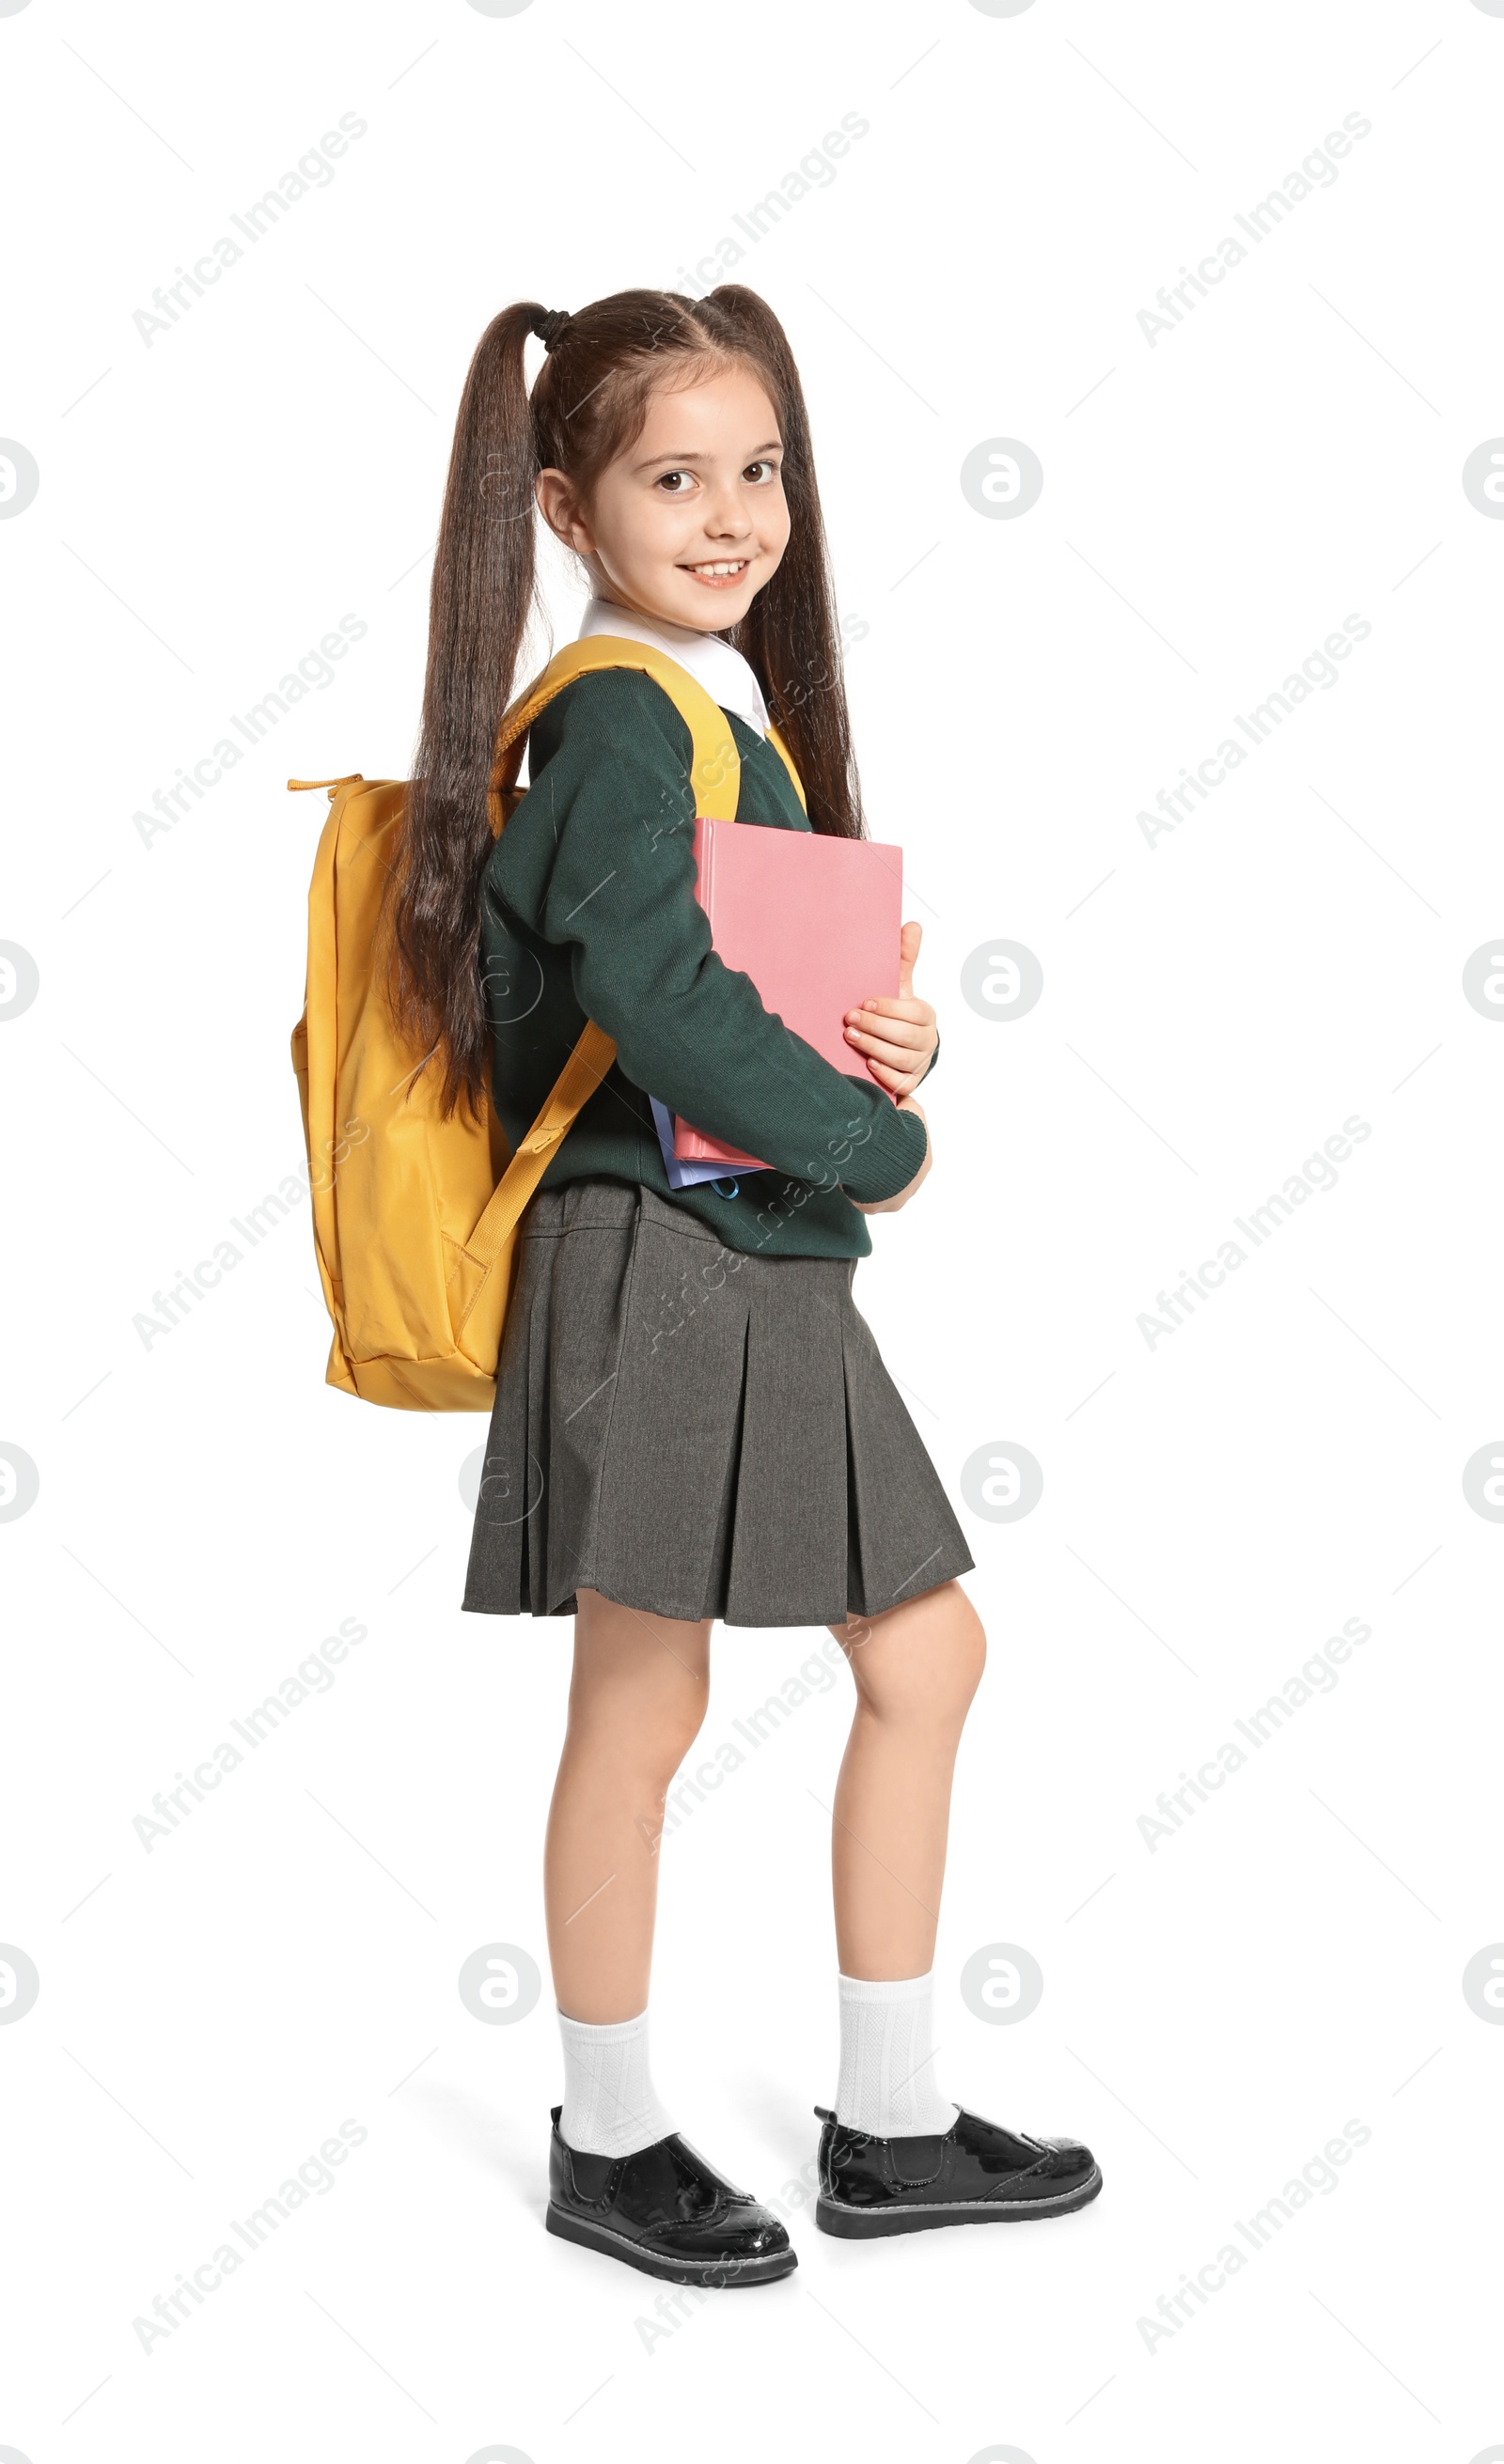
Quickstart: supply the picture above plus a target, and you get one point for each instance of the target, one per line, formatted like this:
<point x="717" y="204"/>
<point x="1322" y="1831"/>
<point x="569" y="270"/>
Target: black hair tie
<point x="550" y="325"/>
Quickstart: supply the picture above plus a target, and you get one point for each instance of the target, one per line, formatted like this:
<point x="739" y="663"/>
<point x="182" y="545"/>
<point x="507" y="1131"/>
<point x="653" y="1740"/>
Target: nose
<point x="726" y="517"/>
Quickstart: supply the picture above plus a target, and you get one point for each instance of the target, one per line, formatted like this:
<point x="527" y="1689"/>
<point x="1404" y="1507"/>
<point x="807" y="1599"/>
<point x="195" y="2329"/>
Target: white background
<point x="1217" y="2007"/>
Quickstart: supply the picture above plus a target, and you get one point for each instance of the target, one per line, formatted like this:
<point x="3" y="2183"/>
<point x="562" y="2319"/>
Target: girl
<point x="691" y="1421"/>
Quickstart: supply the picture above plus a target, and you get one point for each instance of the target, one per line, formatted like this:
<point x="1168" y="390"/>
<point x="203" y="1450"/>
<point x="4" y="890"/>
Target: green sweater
<point x="588" y="911"/>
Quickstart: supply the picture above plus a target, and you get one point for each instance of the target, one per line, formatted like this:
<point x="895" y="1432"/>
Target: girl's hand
<point x="890" y="1205"/>
<point x="898" y="1036"/>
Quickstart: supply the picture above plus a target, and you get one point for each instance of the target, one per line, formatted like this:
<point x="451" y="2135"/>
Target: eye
<point x="665" y="478"/>
<point x="768" y="472"/>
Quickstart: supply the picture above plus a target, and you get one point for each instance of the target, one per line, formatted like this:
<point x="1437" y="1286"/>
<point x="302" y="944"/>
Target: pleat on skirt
<point x="695" y="1432"/>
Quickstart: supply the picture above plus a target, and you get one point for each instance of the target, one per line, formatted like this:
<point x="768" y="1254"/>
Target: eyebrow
<point x="774" y="444"/>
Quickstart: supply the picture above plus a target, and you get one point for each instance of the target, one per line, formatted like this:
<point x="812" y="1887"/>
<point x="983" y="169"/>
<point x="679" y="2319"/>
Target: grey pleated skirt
<point x="695" y="1432"/>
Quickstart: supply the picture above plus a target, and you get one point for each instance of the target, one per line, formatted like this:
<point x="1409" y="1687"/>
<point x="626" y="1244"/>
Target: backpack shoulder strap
<point x="714" y="763"/>
<point x="577" y="1081"/>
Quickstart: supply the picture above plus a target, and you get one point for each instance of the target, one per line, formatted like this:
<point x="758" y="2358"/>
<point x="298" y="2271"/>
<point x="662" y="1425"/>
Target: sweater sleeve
<point x="606" y="865"/>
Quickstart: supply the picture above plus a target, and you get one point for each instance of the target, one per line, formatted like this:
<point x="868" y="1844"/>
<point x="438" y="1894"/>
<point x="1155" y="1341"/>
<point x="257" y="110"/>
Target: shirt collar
<point x="723" y="672"/>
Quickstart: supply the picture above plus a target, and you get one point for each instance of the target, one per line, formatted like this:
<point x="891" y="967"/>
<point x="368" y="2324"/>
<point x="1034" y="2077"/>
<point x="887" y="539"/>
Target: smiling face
<point x="690" y="521"/>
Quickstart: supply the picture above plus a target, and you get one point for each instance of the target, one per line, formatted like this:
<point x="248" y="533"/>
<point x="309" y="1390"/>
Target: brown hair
<point x="587" y="405"/>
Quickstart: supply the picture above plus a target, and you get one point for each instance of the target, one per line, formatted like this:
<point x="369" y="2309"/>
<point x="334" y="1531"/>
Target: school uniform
<point x="692" y="1416"/>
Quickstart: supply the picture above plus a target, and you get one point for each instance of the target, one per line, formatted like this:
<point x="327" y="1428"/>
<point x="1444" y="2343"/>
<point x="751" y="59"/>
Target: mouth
<point x="724" y="574"/>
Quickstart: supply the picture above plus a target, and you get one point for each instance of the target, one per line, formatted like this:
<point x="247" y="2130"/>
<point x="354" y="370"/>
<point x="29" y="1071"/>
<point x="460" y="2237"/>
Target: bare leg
<point x="637" y="1701"/>
<point x="916" y="1667"/>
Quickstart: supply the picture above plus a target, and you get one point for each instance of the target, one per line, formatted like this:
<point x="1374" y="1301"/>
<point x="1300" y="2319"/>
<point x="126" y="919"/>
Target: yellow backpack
<point x="415" y="1218"/>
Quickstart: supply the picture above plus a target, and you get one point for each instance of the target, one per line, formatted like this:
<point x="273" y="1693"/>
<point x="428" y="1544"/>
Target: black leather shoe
<point x="666" y="2210"/>
<point x="977" y="2174"/>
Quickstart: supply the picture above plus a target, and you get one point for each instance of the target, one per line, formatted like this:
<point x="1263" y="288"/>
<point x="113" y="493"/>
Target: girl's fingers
<point x="897" y="1025"/>
<point x="866" y="1040"/>
<point x="891" y="1056"/>
<point x="909" y="940"/>
<point x="893" y="1033"/>
<point x="898" y="1036"/>
<point x="887" y="1005"/>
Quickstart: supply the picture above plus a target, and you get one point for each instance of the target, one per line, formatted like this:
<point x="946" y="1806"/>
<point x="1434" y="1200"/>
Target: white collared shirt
<point x="711" y="662"/>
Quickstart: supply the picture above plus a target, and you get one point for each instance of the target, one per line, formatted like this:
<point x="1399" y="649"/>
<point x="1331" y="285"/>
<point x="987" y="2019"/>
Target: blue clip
<point x="734" y="1191"/>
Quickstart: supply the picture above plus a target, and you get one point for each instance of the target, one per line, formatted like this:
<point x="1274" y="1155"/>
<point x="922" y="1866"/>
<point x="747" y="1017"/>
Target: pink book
<point x="816" y="922"/>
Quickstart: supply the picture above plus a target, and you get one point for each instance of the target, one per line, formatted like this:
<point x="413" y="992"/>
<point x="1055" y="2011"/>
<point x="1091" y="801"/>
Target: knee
<point x="928" y="1665"/>
<point x="959" y="1664"/>
<point x="641" y="1740"/>
<point x="672" y="1741"/>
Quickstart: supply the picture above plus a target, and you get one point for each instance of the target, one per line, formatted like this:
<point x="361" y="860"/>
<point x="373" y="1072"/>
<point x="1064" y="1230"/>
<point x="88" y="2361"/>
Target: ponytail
<point x="789" y="635"/>
<point x="481" y="599"/>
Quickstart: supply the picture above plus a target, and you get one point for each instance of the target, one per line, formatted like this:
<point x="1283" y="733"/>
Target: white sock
<point x="609" y="2108"/>
<point x="887" y="2085"/>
